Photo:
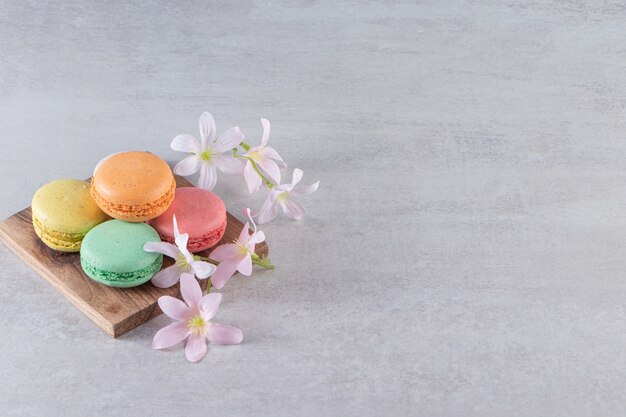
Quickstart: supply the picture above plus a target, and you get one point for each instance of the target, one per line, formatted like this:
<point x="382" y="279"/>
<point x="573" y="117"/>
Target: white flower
<point x="185" y="261"/>
<point x="282" y="196"/>
<point x="193" y="321"/>
<point x="266" y="158"/>
<point x="209" y="154"/>
<point x="236" y="256"/>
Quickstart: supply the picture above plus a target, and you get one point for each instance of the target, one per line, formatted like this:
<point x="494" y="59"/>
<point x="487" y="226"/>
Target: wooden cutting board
<point x="115" y="310"/>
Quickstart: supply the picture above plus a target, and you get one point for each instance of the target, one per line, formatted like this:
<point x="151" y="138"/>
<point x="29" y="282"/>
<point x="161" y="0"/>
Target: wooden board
<point x="115" y="310"/>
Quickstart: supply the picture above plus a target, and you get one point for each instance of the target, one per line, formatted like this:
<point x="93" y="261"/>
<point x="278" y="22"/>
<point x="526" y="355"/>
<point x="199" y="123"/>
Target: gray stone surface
<point x="464" y="256"/>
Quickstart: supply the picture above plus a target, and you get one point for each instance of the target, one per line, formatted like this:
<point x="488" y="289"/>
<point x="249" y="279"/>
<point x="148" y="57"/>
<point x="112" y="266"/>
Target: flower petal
<point x="187" y="166"/>
<point x="297" y="176"/>
<point x="202" y="269"/>
<point x="248" y="213"/>
<point x="195" y="349"/>
<point x="257" y="238"/>
<point x="210" y="304"/>
<point x="175" y="227"/>
<point x="272" y="154"/>
<point x="208" y="177"/>
<point x="268" y="211"/>
<point x="170" y="335"/>
<point x="174" y="308"/>
<point x="266" y="131"/>
<point x="207" y="129"/>
<point x="224" y="272"/>
<point x="222" y="252"/>
<point x="244" y="235"/>
<point x="222" y="334"/>
<point x="279" y="189"/>
<point x="271" y="169"/>
<point x="228" y="140"/>
<point x="167" y="277"/>
<point x="165" y="248"/>
<point x="306" y="189"/>
<point x="292" y="209"/>
<point x="253" y="181"/>
<point x="255" y="153"/>
<point x="185" y="143"/>
<point x="181" y="242"/>
<point x="245" y="266"/>
<point x="228" y="164"/>
<point x="190" y="290"/>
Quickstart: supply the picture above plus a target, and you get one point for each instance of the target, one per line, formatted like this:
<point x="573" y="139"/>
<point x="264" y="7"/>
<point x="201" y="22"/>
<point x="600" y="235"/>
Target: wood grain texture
<point x="115" y="310"/>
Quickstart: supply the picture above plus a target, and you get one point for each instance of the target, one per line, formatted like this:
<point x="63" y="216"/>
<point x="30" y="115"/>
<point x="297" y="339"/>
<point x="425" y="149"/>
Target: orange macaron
<point x="133" y="186"/>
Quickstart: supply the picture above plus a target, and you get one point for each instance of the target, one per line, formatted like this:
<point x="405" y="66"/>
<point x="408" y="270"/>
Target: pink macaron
<point x="199" y="213"/>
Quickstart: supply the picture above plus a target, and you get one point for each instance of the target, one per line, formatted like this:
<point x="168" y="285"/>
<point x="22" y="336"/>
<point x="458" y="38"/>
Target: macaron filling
<point x="151" y="209"/>
<point x="65" y="240"/>
<point x="108" y="277"/>
<point x="199" y="243"/>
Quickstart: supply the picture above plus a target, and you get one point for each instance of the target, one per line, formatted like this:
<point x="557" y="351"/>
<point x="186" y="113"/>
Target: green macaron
<point x="112" y="254"/>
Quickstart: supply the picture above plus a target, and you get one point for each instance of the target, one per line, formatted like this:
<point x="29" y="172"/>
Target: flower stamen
<point x="206" y="156"/>
<point x="255" y="155"/>
<point x="181" y="263"/>
<point x="282" y="197"/>
<point x="196" y="325"/>
<point x="242" y="248"/>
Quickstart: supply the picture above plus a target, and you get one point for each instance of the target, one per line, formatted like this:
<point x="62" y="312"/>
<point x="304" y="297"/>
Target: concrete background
<point x="464" y="256"/>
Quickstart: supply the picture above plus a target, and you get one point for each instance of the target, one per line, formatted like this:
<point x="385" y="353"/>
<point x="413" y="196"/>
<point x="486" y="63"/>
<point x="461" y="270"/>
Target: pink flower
<point x="282" y="196"/>
<point x="209" y="154"/>
<point x="185" y="261"/>
<point x="236" y="256"/>
<point x="266" y="158"/>
<point x="193" y="321"/>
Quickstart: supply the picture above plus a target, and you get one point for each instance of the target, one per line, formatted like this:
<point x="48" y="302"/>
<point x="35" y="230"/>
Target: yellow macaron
<point x="63" y="213"/>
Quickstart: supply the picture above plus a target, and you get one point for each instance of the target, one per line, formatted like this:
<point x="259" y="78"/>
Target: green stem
<point x="256" y="259"/>
<point x="204" y="258"/>
<point x="263" y="262"/>
<point x="267" y="182"/>
<point x="208" y="286"/>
